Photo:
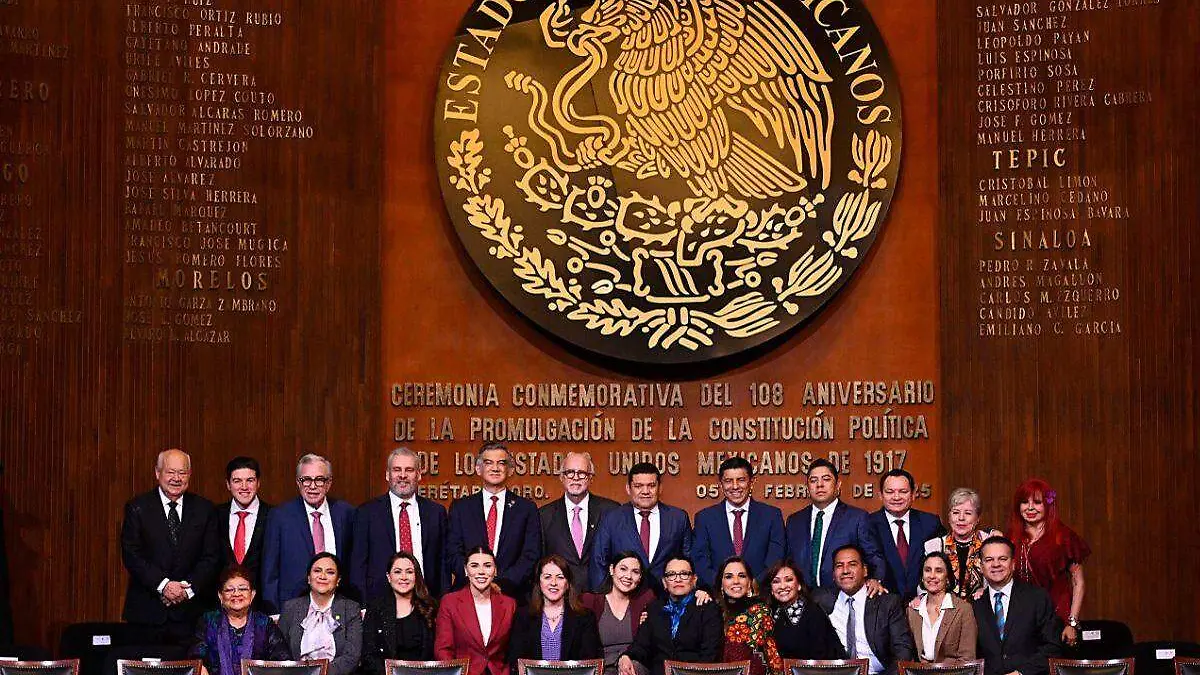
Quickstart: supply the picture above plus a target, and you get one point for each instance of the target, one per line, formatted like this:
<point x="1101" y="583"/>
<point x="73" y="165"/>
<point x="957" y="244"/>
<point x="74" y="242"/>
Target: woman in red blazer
<point x="479" y="610"/>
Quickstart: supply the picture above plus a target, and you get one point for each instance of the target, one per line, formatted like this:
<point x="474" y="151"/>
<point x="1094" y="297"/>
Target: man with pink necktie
<point x="242" y="521"/>
<point x="569" y="524"/>
<point x="299" y="529"/>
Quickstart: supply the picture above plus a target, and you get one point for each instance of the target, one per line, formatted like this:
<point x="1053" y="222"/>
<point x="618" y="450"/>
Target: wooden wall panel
<point x="1110" y="420"/>
<point x="90" y="399"/>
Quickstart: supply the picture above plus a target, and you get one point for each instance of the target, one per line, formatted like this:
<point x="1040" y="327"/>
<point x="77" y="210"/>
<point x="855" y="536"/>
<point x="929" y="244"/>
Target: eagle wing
<point x="684" y="64"/>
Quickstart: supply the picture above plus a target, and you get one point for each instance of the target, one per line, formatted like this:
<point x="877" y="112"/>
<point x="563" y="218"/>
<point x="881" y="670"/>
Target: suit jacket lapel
<point x="506" y="522"/>
<point x="805" y="517"/>
<point x="260" y="527"/>
<point x="426" y="510"/>
<point x="948" y="616"/>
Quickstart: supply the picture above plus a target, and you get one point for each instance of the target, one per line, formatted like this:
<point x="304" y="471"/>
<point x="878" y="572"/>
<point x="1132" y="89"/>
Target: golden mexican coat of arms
<point x="667" y="181"/>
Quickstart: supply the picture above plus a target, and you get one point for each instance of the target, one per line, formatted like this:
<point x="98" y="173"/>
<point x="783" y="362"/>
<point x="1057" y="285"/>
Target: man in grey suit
<point x="872" y="628"/>
<point x="569" y="523"/>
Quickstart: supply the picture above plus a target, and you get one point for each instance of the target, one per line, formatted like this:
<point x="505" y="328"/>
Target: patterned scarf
<point x="230" y="657"/>
<point x="674" y="609"/>
<point x="974" y="567"/>
<point x="792" y="612"/>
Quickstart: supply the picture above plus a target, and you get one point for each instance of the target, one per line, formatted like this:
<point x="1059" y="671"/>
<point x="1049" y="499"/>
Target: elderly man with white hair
<point x="297" y="530"/>
<point x="569" y="524"/>
<point x="169" y="545"/>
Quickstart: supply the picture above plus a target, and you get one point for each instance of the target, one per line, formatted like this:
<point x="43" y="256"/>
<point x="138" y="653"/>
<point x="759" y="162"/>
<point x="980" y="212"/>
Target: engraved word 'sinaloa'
<point x="667" y="181"/>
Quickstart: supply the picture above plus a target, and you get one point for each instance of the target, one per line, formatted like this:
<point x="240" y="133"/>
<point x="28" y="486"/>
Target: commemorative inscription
<point x="671" y="186"/>
<point x="201" y="256"/>
<point x="1043" y="110"/>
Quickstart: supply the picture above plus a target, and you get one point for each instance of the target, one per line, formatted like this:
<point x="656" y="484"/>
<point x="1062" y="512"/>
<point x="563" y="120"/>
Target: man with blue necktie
<point x="816" y="531"/>
<point x="656" y="531"/>
<point x="902" y="532"/>
<point x="738" y="525"/>
<point x="1019" y="631"/>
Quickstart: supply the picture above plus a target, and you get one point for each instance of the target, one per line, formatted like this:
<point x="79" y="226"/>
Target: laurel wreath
<point x="855" y="217"/>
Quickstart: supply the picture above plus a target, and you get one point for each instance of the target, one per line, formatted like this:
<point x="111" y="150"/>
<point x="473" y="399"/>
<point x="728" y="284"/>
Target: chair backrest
<point x="314" y="667"/>
<point x="24" y="653"/>
<point x="456" y="667"/>
<point x="64" y="667"/>
<point x="1105" y="667"/>
<point x="687" y="668"/>
<point x="1104" y="639"/>
<point x="836" y="667"/>
<point x="1158" y="658"/>
<point x="948" y="668"/>
<point x="1187" y="666"/>
<point x="156" y="667"/>
<point x="532" y="667"/>
<point x="93" y="643"/>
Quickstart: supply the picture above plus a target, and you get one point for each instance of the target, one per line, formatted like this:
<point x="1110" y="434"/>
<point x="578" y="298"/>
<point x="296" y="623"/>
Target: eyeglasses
<point x="682" y="576"/>
<point x="575" y="474"/>
<point x="177" y="473"/>
<point x="319" y="481"/>
<point x="235" y="589"/>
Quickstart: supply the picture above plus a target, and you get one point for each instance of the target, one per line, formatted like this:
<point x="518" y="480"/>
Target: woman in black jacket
<point x="399" y="625"/>
<point x="555" y="626"/>
<point x="802" y="629"/>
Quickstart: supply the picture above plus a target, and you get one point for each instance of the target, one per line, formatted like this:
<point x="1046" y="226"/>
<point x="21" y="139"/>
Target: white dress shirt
<point x="583" y="511"/>
<point x="414" y="522"/>
<point x="907" y="518"/>
<point x="812" y="527"/>
<point x="929" y="629"/>
<point x="729" y="518"/>
<point x="166" y="504"/>
<point x="655" y="529"/>
<point x="841" y="611"/>
<point x="234" y="510"/>
<point x="484" y="614"/>
<point x="1004" y="601"/>
<point x="326" y="524"/>
<point x="487" y="506"/>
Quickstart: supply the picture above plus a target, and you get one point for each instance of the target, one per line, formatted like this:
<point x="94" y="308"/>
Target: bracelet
<point x="1072" y="622"/>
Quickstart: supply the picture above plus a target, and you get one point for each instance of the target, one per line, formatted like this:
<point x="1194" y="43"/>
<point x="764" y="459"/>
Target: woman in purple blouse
<point x="555" y="626"/>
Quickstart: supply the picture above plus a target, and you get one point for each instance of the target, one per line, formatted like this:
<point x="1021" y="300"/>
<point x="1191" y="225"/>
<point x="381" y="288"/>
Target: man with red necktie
<point x="737" y="525"/>
<point x="499" y="519"/>
<point x="399" y="520"/>
<point x="901" y="532"/>
<point x="242" y="521"/>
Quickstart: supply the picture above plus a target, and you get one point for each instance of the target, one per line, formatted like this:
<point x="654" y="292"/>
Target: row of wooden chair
<point x="1183" y="666"/>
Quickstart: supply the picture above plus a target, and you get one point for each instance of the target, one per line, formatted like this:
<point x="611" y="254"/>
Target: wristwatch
<point x="1072" y="622"/>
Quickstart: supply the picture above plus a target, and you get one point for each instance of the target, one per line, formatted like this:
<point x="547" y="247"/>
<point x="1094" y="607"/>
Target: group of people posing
<point x="495" y="579"/>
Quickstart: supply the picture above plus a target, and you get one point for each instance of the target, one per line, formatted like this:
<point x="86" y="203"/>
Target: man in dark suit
<point x="399" y="520"/>
<point x="676" y="629"/>
<point x="241" y="522"/>
<point x="299" y="529"/>
<point x="872" y="628"/>
<point x="656" y="531"/>
<point x="169" y="546"/>
<point x="737" y="526"/>
<point x="498" y="518"/>
<point x="816" y="531"/>
<point x="902" y="532"/>
<point x="1019" y="632"/>
<point x="569" y="524"/>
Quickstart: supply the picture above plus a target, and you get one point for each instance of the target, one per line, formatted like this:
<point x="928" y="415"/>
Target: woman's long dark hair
<point x="422" y="601"/>
<point x="772" y="572"/>
<point x="616" y="558"/>
<point x="570" y="600"/>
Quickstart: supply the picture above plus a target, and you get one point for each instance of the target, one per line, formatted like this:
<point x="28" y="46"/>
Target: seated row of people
<point x="1013" y="626"/>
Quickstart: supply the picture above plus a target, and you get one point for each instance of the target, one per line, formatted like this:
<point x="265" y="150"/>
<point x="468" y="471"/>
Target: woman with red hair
<point x="1049" y="554"/>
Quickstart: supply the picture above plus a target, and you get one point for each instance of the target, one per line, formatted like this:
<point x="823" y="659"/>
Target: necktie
<point x="577" y="531"/>
<point x="318" y="532"/>
<point x="816" y="548"/>
<point x="901" y="541"/>
<point x="644" y="531"/>
<point x="491" y="523"/>
<point x="173" y="522"/>
<point x="851" y="630"/>
<point x="239" y="537"/>
<point x="998" y="608"/>
<point x="738" y="535"/>
<point x="405" y="529"/>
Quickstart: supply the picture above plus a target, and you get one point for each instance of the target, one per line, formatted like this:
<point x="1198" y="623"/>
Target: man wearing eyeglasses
<point x="569" y="524"/>
<point x="299" y="529"/>
<point x="169" y="545"/>
<point x="499" y="519"/>
<point x="676" y="628"/>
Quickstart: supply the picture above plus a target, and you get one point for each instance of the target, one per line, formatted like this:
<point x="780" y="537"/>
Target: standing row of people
<point x="174" y="542"/>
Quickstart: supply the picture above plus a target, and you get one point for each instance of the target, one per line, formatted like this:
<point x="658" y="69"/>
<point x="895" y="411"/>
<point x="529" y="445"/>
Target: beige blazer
<point x="956" y="637"/>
